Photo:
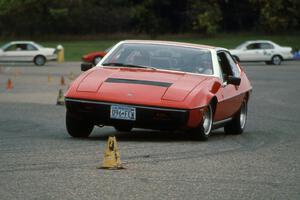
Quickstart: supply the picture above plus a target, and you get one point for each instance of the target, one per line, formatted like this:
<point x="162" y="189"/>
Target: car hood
<point x="93" y="54"/>
<point x="50" y="50"/>
<point x="136" y="86"/>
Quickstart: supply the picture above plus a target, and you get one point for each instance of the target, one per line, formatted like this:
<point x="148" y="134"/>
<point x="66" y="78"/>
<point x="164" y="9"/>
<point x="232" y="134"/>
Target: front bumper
<point x="52" y="57"/>
<point x="146" y="116"/>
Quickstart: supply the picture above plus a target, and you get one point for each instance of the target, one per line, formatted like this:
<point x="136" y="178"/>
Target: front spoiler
<point x="146" y="116"/>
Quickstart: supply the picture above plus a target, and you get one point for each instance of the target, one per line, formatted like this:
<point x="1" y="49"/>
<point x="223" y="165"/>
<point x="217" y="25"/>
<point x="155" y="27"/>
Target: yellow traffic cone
<point x="60" y="98"/>
<point x="112" y="158"/>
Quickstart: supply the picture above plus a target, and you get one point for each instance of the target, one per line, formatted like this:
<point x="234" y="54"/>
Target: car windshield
<point x="5" y="46"/>
<point x="38" y="45"/>
<point x="158" y="56"/>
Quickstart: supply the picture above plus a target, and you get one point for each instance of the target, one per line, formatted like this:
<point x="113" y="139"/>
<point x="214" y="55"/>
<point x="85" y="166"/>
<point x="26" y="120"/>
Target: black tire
<point x="96" y="60"/>
<point x="238" y="123"/>
<point x="123" y="128"/>
<point x="203" y="131"/>
<point x="39" y="60"/>
<point x="78" y="128"/>
<point x="276" y="60"/>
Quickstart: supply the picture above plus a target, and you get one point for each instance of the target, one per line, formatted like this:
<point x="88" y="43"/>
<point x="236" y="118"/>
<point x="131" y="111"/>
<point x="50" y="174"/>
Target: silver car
<point x="26" y="51"/>
<point x="262" y="50"/>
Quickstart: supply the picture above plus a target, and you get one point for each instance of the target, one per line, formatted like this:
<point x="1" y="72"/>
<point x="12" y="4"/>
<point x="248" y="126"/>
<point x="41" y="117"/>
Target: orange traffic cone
<point x="112" y="158"/>
<point x="9" y="84"/>
<point x="62" y="80"/>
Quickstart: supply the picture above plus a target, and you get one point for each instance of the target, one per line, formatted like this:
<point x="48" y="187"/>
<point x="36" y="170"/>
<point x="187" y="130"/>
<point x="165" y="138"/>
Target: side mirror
<point x="86" y="66"/>
<point x="234" y="80"/>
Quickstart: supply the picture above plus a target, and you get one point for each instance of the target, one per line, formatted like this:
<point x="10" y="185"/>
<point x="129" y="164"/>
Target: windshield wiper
<point x="127" y="65"/>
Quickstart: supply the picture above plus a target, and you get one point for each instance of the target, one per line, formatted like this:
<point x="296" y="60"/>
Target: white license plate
<point x="122" y="112"/>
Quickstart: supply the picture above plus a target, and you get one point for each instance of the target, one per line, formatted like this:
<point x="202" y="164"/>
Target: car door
<point x="252" y="52"/>
<point x="268" y="50"/>
<point x="229" y="98"/>
<point x="10" y="52"/>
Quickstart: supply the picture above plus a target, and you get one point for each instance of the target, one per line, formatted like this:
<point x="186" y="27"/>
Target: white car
<point x="262" y="50"/>
<point x="24" y="51"/>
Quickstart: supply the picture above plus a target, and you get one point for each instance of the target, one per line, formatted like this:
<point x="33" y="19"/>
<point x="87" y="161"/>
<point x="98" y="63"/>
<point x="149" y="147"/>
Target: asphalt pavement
<point x="39" y="160"/>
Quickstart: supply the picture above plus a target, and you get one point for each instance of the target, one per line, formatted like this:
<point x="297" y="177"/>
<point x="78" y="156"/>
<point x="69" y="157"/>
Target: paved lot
<point x="38" y="160"/>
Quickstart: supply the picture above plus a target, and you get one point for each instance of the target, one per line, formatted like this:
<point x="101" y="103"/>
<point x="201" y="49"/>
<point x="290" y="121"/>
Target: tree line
<point x="79" y="17"/>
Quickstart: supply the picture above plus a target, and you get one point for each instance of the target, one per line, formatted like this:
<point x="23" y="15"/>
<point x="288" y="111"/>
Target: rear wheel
<point x="238" y="123"/>
<point x="203" y="131"/>
<point x="276" y="60"/>
<point x="39" y="60"/>
<point x="77" y="127"/>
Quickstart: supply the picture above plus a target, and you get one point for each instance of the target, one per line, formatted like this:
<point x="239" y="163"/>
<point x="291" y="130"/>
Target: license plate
<point x="122" y="112"/>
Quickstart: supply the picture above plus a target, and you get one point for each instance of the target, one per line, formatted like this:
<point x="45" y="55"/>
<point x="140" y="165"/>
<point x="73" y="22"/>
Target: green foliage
<point x="205" y="16"/>
<point x="278" y="15"/>
<point x="58" y="13"/>
<point x="79" y="17"/>
<point x="143" y="18"/>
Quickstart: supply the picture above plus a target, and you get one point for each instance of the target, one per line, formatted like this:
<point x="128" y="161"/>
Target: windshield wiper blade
<point x="113" y="64"/>
<point x="127" y="65"/>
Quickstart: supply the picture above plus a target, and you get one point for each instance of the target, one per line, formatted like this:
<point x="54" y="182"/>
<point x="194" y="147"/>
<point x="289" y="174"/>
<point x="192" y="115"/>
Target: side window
<point x="21" y="47"/>
<point x="266" y="46"/>
<point x="253" y="46"/>
<point x="228" y="66"/>
<point x="224" y="65"/>
<point x="30" y="47"/>
<point x="234" y="68"/>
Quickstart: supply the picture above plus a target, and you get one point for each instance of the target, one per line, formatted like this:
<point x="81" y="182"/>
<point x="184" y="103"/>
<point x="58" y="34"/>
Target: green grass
<point x="75" y="48"/>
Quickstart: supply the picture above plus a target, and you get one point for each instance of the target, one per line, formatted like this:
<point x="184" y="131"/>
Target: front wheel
<point x="238" y="123"/>
<point x="203" y="131"/>
<point x="78" y="128"/>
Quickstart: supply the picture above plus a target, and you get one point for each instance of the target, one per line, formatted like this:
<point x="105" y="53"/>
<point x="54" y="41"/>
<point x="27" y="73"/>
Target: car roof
<point x="183" y="44"/>
<point x="21" y="41"/>
<point x="258" y="41"/>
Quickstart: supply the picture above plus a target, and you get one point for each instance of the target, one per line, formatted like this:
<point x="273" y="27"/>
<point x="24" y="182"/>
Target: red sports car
<point x="160" y="85"/>
<point x="94" y="57"/>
